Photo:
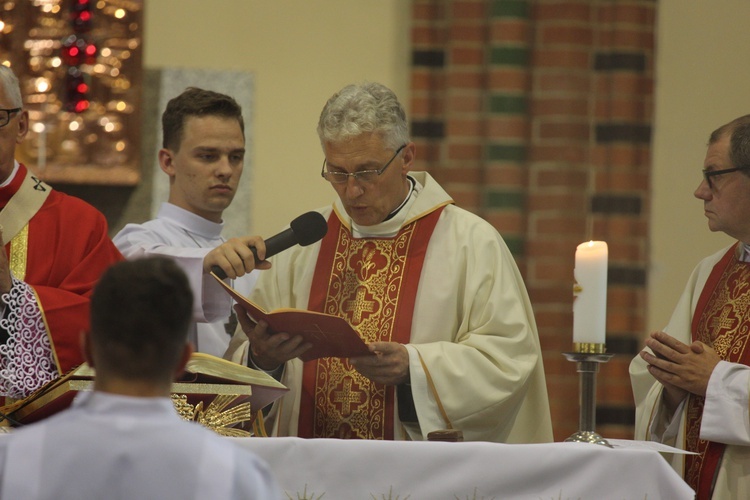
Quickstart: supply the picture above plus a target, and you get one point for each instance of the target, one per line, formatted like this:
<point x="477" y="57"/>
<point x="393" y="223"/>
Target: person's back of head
<point x="140" y="313"/>
<point x="360" y="109"/>
<point x="196" y="102"/>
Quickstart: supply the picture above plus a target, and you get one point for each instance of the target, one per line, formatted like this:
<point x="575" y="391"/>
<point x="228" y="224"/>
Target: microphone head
<point x="309" y="228"/>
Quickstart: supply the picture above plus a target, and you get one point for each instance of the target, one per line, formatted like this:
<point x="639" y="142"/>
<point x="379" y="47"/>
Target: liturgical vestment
<point x="715" y="298"/>
<point x="55" y="260"/>
<point x="474" y="357"/>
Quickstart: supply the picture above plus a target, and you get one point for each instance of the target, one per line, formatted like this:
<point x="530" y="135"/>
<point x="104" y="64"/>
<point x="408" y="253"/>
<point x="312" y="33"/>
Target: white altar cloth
<point x="331" y="469"/>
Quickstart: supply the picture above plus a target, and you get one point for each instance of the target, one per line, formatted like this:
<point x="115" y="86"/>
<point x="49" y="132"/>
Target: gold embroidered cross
<point x="346" y="397"/>
<point x="724" y="321"/>
<point x="359" y="305"/>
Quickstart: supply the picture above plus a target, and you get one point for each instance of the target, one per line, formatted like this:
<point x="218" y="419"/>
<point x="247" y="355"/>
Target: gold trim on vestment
<point x="433" y="389"/>
<point x="23" y="205"/>
<point x="19" y="249"/>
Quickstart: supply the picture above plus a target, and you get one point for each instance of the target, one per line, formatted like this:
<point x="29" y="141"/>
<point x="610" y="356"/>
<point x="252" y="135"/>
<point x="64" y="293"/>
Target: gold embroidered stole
<point x="15" y="217"/>
<point x="372" y="282"/>
<point x="721" y="320"/>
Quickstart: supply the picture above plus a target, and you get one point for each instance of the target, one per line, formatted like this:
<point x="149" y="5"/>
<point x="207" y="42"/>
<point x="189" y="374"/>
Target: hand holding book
<point x="330" y="336"/>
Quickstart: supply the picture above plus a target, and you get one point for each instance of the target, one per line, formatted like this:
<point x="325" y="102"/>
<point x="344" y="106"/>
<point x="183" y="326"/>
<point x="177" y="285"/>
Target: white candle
<point x="590" y="303"/>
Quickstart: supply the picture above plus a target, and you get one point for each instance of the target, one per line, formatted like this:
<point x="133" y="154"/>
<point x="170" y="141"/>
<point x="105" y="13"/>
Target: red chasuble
<point x="67" y="248"/>
<point x="721" y="320"/>
<point x="372" y="282"/>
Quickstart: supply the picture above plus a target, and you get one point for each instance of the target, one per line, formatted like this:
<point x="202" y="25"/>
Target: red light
<point x="83" y="2"/>
<point x="84" y="16"/>
<point x="82" y="105"/>
<point x="82" y="88"/>
<point x="73" y="51"/>
<point x="90" y="50"/>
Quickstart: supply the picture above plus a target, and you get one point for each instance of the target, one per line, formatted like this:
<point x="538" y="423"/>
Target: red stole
<point x="721" y="320"/>
<point x="372" y="282"/>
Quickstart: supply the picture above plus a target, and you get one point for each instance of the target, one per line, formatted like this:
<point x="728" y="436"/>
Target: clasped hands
<point x="680" y="368"/>
<point x="269" y="350"/>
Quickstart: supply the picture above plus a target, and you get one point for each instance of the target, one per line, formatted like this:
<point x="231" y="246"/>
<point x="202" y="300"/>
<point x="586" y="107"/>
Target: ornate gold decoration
<point x="589" y="347"/>
<point x="19" y="246"/>
<point x="216" y="416"/>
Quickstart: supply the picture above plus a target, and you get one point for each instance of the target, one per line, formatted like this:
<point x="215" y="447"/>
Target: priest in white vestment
<point x="692" y="382"/>
<point x="432" y="289"/>
<point x="203" y="154"/>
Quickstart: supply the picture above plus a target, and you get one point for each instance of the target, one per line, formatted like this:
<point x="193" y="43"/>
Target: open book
<point x="330" y="336"/>
<point x="207" y="369"/>
<point x="205" y="378"/>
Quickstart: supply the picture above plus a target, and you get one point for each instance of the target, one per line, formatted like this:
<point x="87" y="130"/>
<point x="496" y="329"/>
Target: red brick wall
<point x="536" y="116"/>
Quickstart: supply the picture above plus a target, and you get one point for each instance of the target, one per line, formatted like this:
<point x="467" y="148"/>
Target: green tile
<point x="512" y="104"/>
<point x="510" y="8"/>
<point x="507" y="152"/>
<point x="505" y="199"/>
<point x="509" y="56"/>
<point x="515" y="244"/>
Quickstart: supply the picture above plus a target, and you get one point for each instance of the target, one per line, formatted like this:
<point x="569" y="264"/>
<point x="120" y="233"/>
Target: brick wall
<point x="536" y="116"/>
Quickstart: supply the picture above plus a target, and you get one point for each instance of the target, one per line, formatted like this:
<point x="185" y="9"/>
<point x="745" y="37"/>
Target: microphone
<point x="304" y="230"/>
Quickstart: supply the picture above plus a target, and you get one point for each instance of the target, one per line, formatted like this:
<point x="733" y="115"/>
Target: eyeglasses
<point x="5" y="115"/>
<point x="365" y="176"/>
<point x="707" y="174"/>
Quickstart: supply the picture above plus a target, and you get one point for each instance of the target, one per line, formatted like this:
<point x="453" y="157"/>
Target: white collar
<point x="190" y="221"/>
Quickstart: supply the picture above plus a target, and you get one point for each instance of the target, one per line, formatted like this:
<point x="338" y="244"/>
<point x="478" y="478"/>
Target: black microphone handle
<point x="275" y="244"/>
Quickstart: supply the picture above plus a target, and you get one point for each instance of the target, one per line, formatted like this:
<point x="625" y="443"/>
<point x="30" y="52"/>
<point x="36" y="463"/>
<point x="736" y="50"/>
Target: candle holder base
<point x="587" y="366"/>
<point x="588" y="437"/>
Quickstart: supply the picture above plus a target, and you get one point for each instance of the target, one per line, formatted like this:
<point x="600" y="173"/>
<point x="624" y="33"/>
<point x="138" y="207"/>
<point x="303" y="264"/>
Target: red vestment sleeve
<point x="68" y="249"/>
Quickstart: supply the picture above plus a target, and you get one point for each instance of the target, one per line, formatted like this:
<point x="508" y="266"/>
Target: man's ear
<point x="408" y="155"/>
<point x="23" y="126"/>
<point x="166" y="161"/>
<point x="86" y="348"/>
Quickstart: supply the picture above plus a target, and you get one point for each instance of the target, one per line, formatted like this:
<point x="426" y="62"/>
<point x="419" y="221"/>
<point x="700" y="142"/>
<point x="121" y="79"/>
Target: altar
<point x="333" y="469"/>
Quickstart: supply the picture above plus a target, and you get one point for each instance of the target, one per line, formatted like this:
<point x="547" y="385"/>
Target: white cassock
<point x="187" y="238"/>
<point x="726" y="416"/>
<point x="473" y="328"/>
<point x="120" y="447"/>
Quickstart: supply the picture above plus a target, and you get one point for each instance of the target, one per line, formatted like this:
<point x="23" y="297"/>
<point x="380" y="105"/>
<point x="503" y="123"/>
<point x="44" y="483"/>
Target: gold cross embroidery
<point x="359" y="305"/>
<point x="346" y="397"/>
<point x="724" y="321"/>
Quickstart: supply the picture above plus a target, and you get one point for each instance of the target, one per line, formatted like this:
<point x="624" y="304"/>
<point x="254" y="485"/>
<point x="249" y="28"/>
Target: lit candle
<point x="590" y="303"/>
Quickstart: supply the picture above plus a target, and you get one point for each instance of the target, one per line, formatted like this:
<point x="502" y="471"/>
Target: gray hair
<point x="739" y="141"/>
<point x="360" y="109"/>
<point x="12" y="88"/>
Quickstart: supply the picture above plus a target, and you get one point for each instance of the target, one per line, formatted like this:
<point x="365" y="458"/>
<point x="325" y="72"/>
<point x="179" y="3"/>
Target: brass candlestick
<point x="588" y="357"/>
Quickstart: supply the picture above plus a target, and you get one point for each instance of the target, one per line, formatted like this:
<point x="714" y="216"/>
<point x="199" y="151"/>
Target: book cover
<point x="330" y="336"/>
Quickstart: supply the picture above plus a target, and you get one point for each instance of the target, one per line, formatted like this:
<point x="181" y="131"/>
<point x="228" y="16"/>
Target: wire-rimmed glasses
<point x="365" y="176"/>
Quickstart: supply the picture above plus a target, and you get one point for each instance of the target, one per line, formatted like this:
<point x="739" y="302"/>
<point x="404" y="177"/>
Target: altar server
<point x="125" y="440"/>
<point x="203" y="154"/>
